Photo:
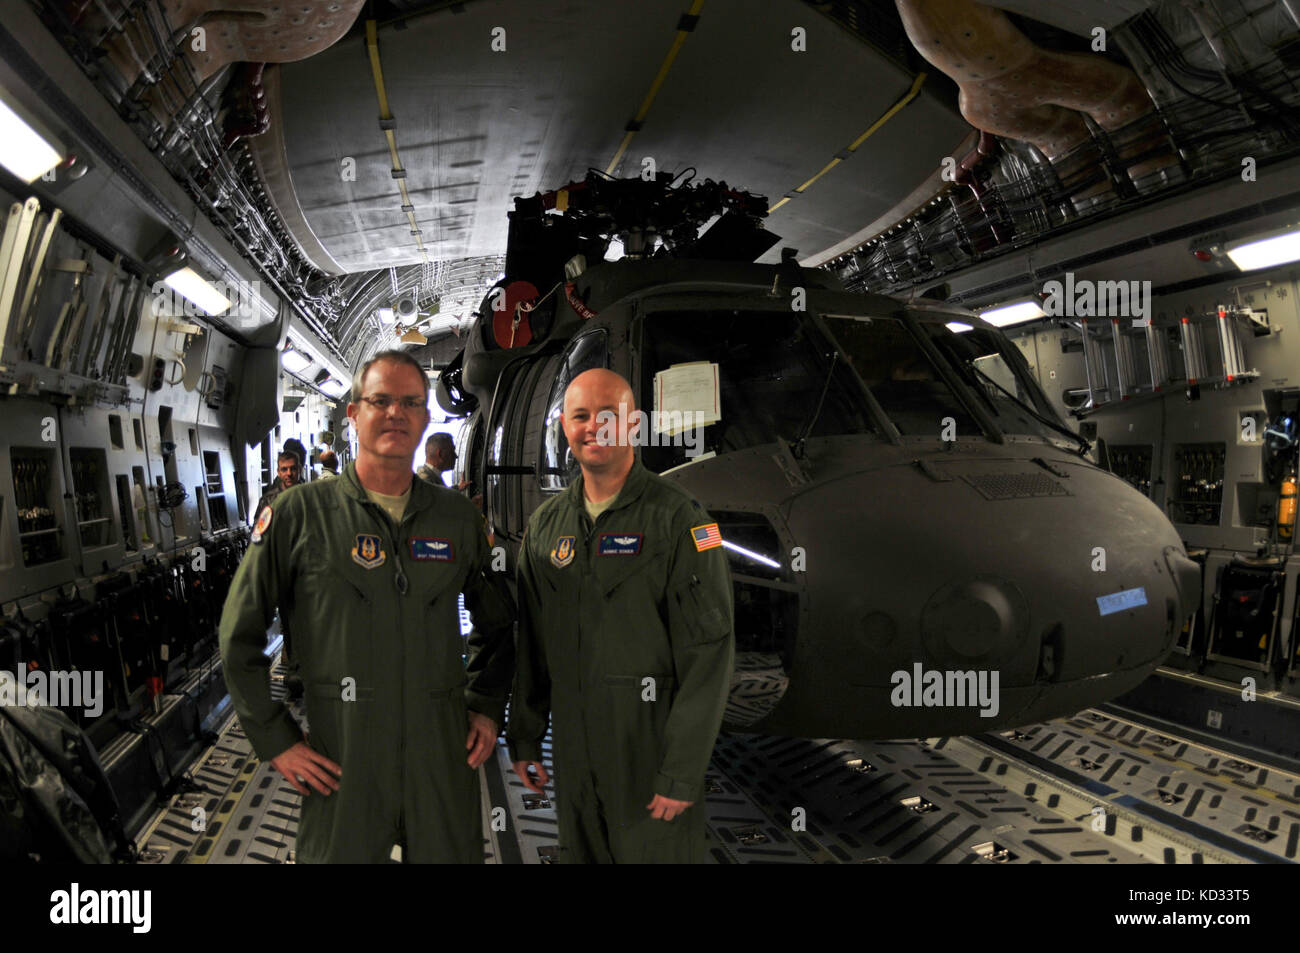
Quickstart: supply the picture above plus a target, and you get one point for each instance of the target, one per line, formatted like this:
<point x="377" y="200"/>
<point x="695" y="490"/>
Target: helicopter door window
<point x="899" y="376"/>
<point x="999" y="372"/>
<point x="776" y="379"/>
<point x="559" y="468"/>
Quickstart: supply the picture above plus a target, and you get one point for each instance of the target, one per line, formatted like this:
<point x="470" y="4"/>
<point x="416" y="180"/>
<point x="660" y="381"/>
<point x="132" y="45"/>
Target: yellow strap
<point x="871" y="130"/>
<point x="678" y="40"/>
<point x="377" y="70"/>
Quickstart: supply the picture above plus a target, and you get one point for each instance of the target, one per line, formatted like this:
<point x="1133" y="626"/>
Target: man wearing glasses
<point x="367" y="567"/>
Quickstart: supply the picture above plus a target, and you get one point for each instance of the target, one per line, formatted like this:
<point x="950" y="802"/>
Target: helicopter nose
<point x="1065" y="591"/>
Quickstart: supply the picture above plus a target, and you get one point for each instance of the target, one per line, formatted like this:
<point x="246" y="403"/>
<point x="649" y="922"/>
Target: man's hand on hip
<point x="665" y="808"/>
<point x="533" y="782"/>
<point x="482" y="736"/>
<point x="301" y="765"/>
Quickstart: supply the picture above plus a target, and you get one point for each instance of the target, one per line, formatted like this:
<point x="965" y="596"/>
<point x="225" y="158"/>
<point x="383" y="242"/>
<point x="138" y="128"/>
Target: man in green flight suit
<point x="367" y="567"/>
<point x="625" y="636"/>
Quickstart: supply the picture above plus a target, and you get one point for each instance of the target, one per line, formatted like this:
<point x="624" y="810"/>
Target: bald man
<point x="625" y="639"/>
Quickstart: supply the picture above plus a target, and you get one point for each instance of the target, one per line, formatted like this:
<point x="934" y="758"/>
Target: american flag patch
<point x="706" y="536"/>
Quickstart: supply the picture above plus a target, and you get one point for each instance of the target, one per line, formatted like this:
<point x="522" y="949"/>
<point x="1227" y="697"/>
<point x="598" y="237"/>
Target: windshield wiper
<point x="797" y="446"/>
<point x="1084" y="446"/>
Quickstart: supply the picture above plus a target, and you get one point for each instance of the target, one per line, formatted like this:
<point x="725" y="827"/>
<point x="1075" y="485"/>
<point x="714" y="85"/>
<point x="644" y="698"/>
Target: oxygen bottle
<point x="1286" y="508"/>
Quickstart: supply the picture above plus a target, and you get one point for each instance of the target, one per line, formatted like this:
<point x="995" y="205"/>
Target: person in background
<point x="287" y="472"/>
<point x="329" y="464"/>
<point x="439" y="457"/>
<point x="294" y="445"/>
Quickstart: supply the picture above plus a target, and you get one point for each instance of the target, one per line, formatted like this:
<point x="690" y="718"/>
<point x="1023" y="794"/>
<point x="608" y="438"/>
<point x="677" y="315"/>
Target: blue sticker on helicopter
<point x="1119" y="601"/>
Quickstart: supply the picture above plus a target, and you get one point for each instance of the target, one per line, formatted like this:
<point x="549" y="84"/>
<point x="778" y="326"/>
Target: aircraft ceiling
<point x="285" y="167"/>
<point x="475" y="127"/>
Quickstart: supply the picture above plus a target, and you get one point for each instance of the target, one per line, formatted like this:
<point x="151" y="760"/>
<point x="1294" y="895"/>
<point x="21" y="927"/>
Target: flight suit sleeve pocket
<point x="700" y="616"/>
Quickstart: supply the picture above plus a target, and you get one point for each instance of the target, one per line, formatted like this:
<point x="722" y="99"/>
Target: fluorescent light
<point x="957" y="327"/>
<point x="295" y="362"/>
<point x="386" y="315"/>
<point x="752" y="555"/>
<point x="23" y="150"/>
<point x="334" y="388"/>
<point x="1017" y="313"/>
<point x="194" y="288"/>
<point x="1259" y="253"/>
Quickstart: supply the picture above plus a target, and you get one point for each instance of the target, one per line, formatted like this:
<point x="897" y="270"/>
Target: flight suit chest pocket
<point x="331" y="589"/>
<point x="436" y="565"/>
<point x="620" y="558"/>
<point x="557" y="563"/>
<point x="333" y="627"/>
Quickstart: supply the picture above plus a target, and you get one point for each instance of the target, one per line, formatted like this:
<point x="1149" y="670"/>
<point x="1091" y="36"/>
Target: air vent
<point x="1015" y="486"/>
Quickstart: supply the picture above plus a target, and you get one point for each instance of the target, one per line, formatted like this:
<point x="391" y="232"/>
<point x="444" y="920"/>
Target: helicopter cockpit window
<point x="559" y="468"/>
<point x="900" y="376"/>
<point x="773" y="367"/>
<point x="995" y="371"/>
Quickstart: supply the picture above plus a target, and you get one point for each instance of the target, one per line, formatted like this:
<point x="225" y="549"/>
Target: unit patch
<point x="368" y="552"/>
<point x="619" y="544"/>
<point x="706" y="536"/>
<point x="426" y="548"/>
<point x="563" y="552"/>
<point x="263" y="521"/>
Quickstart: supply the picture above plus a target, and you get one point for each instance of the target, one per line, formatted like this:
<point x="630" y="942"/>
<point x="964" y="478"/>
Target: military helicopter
<point x="919" y="545"/>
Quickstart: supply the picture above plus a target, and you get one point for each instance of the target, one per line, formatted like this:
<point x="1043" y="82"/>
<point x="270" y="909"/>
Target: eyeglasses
<point x="383" y="402"/>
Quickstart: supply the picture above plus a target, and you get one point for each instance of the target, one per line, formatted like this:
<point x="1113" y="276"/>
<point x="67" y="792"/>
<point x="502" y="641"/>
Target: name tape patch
<point x="619" y="544"/>
<point x="1119" y="601"/>
<point x="431" y="548"/>
<point x="706" y="536"/>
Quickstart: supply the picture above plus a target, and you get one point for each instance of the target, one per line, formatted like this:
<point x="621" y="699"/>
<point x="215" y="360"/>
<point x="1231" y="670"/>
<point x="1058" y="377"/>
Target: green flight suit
<point x="375" y="605"/>
<point x="625" y="637"/>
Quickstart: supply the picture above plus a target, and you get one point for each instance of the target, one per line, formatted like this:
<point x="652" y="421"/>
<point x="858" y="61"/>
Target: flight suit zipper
<point x="403" y="585"/>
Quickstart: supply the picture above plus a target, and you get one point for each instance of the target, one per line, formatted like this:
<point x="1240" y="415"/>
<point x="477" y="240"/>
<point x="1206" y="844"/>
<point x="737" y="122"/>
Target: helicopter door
<point x="558" y="467"/>
<point x="509" y="478"/>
